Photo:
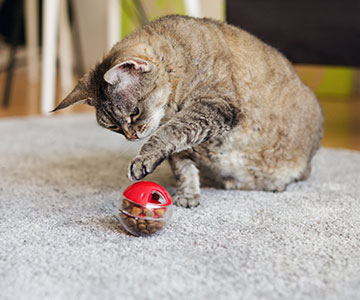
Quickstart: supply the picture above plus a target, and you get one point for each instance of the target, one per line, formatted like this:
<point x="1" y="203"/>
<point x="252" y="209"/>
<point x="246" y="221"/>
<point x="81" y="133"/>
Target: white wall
<point x="91" y="15"/>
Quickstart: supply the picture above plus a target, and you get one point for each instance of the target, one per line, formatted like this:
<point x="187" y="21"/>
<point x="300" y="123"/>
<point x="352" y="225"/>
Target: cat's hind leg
<point x="187" y="180"/>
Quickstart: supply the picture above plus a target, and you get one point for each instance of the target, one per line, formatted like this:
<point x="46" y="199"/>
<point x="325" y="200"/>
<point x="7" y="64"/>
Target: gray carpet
<point x="60" y="238"/>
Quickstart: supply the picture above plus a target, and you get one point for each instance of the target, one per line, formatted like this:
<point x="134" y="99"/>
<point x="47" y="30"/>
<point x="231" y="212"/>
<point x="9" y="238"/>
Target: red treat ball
<point x="145" y="208"/>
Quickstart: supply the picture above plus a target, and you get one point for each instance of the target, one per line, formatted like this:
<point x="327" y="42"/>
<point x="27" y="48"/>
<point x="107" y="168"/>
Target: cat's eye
<point x="113" y="127"/>
<point x="135" y="114"/>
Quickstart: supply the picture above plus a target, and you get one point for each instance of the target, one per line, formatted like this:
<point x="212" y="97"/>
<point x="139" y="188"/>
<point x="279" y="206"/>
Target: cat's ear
<point x="80" y="94"/>
<point x="127" y="71"/>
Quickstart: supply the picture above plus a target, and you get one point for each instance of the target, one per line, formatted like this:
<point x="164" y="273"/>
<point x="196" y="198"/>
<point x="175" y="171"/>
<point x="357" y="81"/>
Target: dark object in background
<point x="310" y="32"/>
<point x="13" y="32"/>
<point x="14" y="35"/>
<point x="11" y="13"/>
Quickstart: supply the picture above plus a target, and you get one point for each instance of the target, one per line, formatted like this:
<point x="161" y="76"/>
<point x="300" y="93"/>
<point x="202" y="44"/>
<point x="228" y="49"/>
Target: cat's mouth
<point x="139" y="132"/>
<point x="130" y="135"/>
<point x="132" y="138"/>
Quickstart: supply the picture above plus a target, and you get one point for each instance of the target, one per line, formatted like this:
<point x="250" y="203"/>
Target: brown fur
<point x="213" y="98"/>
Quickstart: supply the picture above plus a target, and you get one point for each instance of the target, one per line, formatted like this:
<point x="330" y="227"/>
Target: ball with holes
<point x="145" y="208"/>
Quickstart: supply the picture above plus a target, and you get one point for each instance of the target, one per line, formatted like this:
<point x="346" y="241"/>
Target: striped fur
<point x="221" y="105"/>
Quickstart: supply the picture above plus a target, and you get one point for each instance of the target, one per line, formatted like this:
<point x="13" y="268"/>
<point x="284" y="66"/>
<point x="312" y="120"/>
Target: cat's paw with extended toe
<point x="143" y="165"/>
<point x="186" y="200"/>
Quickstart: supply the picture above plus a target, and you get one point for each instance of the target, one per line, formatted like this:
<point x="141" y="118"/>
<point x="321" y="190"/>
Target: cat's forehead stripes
<point x="116" y="111"/>
<point x="111" y="117"/>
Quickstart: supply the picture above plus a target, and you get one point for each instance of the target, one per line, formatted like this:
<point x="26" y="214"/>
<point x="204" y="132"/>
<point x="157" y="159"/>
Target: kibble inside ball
<point x="145" y="209"/>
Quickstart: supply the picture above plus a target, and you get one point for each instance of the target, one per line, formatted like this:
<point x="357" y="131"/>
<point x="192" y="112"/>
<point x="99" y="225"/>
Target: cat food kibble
<point x="145" y="208"/>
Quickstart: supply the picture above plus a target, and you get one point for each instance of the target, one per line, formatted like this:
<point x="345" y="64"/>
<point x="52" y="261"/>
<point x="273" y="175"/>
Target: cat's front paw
<point x="143" y="165"/>
<point x="184" y="200"/>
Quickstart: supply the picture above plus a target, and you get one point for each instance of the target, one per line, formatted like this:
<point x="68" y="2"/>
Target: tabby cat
<point x="218" y="103"/>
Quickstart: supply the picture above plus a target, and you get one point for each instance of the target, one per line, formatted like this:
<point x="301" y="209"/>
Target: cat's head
<point x="129" y="95"/>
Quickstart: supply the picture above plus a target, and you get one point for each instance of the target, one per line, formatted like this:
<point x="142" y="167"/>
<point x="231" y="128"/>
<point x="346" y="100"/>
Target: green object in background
<point x="153" y="8"/>
<point x="166" y="7"/>
<point x="129" y="19"/>
<point x="337" y="81"/>
<point x="328" y="80"/>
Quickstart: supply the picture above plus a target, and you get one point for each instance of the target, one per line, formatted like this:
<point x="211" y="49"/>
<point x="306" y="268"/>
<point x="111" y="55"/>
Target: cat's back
<point x="219" y="34"/>
<point x="203" y="41"/>
<point x="279" y="110"/>
<point x="189" y="36"/>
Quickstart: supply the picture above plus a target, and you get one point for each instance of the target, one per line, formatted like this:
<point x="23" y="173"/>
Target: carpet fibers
<point x="60" y="237"/>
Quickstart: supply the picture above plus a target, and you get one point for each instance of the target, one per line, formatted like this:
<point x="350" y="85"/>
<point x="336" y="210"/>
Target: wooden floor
<point x="342" y="114"/>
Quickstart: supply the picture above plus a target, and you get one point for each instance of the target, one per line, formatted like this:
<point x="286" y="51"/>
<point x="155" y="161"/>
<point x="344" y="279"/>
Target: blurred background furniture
<point x="56" y="23"/>
<point x="57" y="41"/>
<point x="11" y="13"/>
<point x="57" y="38"/>
<point x="86" y="29"/>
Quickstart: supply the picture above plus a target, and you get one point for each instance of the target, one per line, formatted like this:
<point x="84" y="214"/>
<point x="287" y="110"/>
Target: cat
<point x="222" y="106"/>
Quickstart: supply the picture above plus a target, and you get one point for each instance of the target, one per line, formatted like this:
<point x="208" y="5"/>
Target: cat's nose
<point x="130" y="134"/>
